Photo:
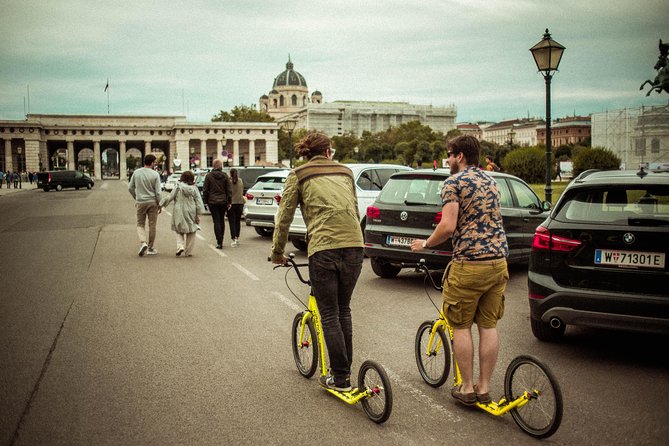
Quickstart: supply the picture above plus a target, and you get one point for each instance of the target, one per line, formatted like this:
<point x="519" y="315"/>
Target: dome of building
<point x="273" y="91"/>
<point x="290" y="77"/>
<point x="317" y="93"/>
<point x="264" y="97"/>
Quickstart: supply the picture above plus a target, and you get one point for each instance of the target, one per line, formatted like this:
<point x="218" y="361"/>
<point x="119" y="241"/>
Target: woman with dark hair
<point x="235" y="211"/>
<point x="188" y="207"/>
<point x="325" y="192"/>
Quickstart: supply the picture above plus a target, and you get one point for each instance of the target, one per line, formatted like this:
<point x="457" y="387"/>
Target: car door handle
<point x="525" y="219"/>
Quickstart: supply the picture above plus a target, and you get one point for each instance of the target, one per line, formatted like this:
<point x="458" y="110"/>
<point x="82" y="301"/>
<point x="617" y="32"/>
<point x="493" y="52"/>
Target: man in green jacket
<point x="325" y="192"/>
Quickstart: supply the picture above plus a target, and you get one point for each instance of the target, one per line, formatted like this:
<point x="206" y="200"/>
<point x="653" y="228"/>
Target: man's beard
<point x="455" y="168"/>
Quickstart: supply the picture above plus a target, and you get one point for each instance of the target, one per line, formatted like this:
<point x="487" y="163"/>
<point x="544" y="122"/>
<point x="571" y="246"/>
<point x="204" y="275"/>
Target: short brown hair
<point x="187" y="177"/>
<point x="315" y="143"/>
<point x="467" y="145"/>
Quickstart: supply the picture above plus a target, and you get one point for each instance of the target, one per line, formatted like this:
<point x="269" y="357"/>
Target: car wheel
<point x="264" y="232"/>
<point x="300" y="244"/>
<point x="45" y="189"/>
<point x="544" y="332"/>
<point x="59" y="188"/>
<point x="384" y="269"/>
<point x="76" y="188"/>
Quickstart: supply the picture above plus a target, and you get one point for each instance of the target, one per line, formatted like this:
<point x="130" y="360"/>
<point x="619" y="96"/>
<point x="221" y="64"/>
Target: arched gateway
<point x="108" y="146"/>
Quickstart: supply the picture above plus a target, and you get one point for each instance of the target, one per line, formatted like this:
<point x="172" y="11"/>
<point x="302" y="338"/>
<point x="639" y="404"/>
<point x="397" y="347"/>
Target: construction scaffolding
<point x="638" y="136"/>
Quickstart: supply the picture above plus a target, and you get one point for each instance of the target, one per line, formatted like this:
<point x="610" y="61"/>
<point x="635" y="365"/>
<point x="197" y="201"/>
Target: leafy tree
<point x="242" y="113"/>
<point x="595" y="158"/>
<point x="345" y="145"/>
<point x="528" y="163"/>
<point x="563" y="152"/>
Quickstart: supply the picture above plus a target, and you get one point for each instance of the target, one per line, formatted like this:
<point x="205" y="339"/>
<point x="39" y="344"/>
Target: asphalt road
<point x="100" y="346"/>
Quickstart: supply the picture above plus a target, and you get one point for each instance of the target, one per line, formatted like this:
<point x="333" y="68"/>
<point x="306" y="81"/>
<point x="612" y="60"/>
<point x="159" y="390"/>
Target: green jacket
<point x="325" y="192"/>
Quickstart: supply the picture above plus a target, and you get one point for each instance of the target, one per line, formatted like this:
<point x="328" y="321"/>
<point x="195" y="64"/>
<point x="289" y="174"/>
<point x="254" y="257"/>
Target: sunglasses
<point x="450" y="154"/>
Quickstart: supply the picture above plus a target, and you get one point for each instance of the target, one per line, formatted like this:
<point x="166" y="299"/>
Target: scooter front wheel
<point x="379" y="404"/>
<point x="305" y="346"/>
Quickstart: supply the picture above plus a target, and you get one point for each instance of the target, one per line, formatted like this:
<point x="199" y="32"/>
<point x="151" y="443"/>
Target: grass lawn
<point x="556" y="186"/>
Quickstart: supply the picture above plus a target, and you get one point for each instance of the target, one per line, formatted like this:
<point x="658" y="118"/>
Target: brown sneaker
<point x="483" y="398"/>
<point x="465" y="398"/>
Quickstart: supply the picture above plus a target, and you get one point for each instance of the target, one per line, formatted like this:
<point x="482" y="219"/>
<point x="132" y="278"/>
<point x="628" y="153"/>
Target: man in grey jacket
<point x="144" y="186"/>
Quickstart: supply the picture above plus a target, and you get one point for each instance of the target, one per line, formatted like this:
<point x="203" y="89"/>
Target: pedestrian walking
<point x="144" y="186"/>
<point x="17" y="179"/>
<point x="188" y="207"/>
<point x="237" y="208"/>
<point x="558" y="171"/>
<point x="2" y="175"/>
<point x="217" y="193"/>
<point x="476" y="277"/>
<point x="325" y="192"/>
<point x="8" y="178"/>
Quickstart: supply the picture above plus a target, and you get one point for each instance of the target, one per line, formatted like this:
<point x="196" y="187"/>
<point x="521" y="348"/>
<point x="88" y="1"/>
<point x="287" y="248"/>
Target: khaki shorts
<point x="474" y="292"/>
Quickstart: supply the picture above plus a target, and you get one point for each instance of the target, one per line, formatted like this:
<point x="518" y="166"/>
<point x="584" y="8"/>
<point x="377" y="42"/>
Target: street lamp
<point x="547" y="54"/>
<point x="289" y="126"/>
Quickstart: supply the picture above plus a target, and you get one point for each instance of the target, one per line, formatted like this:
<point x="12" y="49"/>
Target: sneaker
<point x="233" y="244"/>
<point x="151" y="252"/>
<point x="219" y="246"/>
<point x="142" y="249"/>
<point x="180" y="251"/>
<point x="329" y="382"/>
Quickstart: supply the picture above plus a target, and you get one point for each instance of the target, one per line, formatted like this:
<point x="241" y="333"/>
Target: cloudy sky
<point x="198" y="57"/>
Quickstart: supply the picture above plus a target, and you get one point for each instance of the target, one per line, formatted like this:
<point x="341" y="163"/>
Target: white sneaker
<point x="151" y="252"/>
<point x="142" y="249"/>
<point x="233" y="244"/>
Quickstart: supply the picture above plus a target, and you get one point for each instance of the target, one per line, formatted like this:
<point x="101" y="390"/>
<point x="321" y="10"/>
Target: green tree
<point x="595" y="158"/>
<point x="345" y="145"/>
<point x="242" y="113"/>
<point x="528" y="163"/>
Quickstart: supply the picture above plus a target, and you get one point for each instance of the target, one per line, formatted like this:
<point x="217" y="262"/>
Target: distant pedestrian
<point x="237" y="208"/>
<point x="144" y="186"/>
<point x="8" y="178"/>
<point x="17" y="179"/>
<point x="217" y="193"/>
<point x="188" y="207"/>
<point x="2" y="175"/>
<point x="490" y="165"/>
<point x="558" y="171"/>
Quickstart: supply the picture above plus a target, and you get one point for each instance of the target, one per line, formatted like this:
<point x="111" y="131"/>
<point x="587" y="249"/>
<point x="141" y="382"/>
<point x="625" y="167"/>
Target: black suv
<point x="60" y="179"/>
<point x="409" y="207"/>
<point x="600" y="259"/>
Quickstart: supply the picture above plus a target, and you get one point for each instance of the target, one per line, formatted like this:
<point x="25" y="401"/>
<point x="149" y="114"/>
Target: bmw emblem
<point x="628" y="238"/>
<point x="404" y="216"/>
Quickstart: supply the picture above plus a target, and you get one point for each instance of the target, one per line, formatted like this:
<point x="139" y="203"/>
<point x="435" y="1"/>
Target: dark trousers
<point x="235" y="219"/>
<point x="218" y="215"/>
<point x="333" y="274"/>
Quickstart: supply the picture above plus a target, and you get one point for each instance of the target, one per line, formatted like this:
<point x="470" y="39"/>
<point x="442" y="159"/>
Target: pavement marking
<point x="200" y="237"/>
<point x="217" y="251"/>
<point x="245" y="271"/>
<point x="285" y="300"/>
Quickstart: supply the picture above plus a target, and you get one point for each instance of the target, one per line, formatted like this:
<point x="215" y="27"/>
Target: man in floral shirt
<point x="476" y="277"/>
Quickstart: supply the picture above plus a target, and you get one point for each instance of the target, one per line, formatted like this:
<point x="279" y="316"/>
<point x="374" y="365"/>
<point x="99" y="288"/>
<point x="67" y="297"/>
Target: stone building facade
<point x="101" y="144"/>
<point x="569" y="130"/>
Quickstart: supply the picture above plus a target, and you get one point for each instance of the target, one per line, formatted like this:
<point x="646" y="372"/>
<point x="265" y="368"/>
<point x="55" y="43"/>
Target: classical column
<point x="203" y="153"/>
<point x="8" y="155"/>
<point x="147" y="150"/>
<point x="32" y="154"/>
<point x="272" y="150"/>
<point x="70" y="156"/>
<point x="183" y="151"/>
<point x="252" y="152"/>
<point x="97" y="161"/>
<point x="123" y="170"/>
<point x="219" y="149"/>
<point x="235" y="152"/>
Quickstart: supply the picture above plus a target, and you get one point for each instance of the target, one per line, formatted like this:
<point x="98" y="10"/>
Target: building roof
<point x="289" y="78"/>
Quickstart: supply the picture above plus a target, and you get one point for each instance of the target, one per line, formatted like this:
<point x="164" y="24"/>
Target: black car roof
<point x="440" y="174"/>
<point x="620" y="177"/>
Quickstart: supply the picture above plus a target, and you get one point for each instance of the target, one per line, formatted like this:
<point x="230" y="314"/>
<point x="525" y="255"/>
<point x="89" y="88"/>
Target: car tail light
<point x="437" y="218"/>
<point x="277" y="197"/>
<point x="544" y="240"/>
<point x="249" y="197"/>
<point x="373" y="212"/>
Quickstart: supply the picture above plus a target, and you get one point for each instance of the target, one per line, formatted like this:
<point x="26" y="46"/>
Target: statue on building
<point x="661" y="81"/>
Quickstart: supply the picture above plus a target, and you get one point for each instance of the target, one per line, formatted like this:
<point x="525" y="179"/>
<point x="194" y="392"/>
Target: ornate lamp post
<point x="547" y="54"/>
<point x="289" y="126"/>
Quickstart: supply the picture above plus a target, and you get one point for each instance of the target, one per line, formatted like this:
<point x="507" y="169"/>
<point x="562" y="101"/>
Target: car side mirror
<point x="545" y="205"/>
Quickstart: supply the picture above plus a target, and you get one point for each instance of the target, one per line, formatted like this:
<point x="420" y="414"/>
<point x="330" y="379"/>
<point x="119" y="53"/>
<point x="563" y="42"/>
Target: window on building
<point x="640" y="147"/>
<point x="281" y="101"/>
<point x="293" y="100"/>
<point x="655" y="146"/>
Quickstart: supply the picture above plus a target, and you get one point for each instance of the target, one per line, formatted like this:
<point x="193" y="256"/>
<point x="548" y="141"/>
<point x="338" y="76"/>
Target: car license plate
<point x="629" y="258"/>
<point x="394" y="240"/>
<point x="265" y="201"/>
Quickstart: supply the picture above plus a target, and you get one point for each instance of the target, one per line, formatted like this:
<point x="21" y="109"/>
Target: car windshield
<point x="416" y="190"/>
<point x="269" y="183"/>
<point x="629" y="205"/>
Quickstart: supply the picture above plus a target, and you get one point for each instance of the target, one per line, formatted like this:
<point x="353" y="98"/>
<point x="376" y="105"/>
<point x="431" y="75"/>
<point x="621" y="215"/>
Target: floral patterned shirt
<point x="479" y="232"/>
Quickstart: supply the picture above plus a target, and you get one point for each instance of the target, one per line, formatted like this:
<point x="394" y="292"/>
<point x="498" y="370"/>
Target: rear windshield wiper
<point x="638" y="221"/>
<point x="414" y="203"/>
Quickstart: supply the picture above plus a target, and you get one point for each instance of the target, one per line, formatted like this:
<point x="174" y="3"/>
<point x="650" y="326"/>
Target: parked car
<point x="369" y="180"/>
<point x="409" y="207"/>
<point x="171" y="181"/>
<point x="600" y="259"/>
<point x="262" y="201"/>
<point x="60" y="179"/>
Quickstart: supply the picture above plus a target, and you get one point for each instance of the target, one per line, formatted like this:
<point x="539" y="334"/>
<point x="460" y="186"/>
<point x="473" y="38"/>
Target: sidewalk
<point x="24" y="187"/>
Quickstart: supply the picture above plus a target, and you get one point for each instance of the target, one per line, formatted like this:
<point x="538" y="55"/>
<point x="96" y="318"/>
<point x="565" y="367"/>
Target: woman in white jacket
<point x="188" y="207"/>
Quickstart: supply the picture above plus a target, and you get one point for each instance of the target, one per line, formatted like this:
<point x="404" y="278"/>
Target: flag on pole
<point x="107" y="86"/>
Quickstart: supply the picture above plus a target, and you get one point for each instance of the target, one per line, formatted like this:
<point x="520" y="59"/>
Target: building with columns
<point x="102" y="144"/>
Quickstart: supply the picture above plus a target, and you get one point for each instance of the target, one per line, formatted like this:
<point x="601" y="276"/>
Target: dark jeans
<point x="333" y="274"/>
<point x="235" y="219"/>
<point x="218" y="215"/>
